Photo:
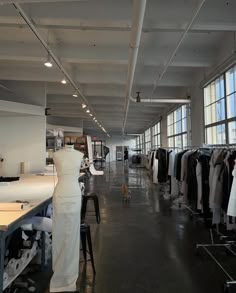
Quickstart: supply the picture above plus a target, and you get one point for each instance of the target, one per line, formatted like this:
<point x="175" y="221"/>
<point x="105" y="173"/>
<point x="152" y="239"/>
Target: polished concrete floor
<point x="145" y="246"/>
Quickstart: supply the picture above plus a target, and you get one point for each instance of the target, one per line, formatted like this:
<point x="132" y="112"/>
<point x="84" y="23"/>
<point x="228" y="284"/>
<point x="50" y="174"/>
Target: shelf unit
<point x="80" y="143"/>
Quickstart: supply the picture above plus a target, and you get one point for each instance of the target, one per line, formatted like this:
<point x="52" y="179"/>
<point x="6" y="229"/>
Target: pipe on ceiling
<point x="167" y="100"/>
<point x="190" y="23"/>
<point x="50" y="52"/>
<point x="139" y="7"/>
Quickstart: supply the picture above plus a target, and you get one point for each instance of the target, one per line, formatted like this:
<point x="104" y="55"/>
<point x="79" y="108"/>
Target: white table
<point x="38" y="191"/>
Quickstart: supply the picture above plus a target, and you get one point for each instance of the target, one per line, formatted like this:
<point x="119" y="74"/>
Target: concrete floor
<point x="144" y="246"/>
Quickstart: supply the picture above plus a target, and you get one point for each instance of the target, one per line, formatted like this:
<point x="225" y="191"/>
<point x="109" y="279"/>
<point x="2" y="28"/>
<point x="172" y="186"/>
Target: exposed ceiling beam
<point x="35" y="1"/>
<point x="162" y="28"/>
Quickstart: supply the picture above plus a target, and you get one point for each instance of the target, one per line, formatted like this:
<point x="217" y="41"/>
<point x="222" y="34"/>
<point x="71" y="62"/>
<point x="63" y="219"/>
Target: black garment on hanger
<point x="161" y="156"/>
<point x="204" y="160"/>
<point x="192" y="194"/>
<point x="178" y="164"/>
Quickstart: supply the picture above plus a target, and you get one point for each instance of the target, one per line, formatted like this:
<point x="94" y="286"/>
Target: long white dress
<point x="232" y="200"/>
<point x="66" y="221"/>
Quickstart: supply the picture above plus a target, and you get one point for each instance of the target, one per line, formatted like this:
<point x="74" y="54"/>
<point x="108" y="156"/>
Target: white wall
<point x="118" y="141"/>
<point x="22" y="139"/>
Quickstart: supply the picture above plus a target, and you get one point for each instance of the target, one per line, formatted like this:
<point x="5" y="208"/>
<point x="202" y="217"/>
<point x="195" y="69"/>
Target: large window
<point x="156" y="135"/>
<point x="177" y="127"/>
<point x="147" y="135"/>
<point x="220" y="109"/>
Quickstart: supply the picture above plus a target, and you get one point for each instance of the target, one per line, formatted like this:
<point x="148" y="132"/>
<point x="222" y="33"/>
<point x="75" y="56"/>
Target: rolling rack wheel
<point x="225" y="288"/>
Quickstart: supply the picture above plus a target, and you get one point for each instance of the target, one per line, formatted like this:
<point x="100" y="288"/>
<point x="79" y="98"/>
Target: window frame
<point x="156" y="135"/>
<point x="226" y="121"/>
<point x="175" y="122"/>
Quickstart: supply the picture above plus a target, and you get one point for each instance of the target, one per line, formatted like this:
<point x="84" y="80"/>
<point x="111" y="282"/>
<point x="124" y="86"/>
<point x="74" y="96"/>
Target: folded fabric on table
<point x="8" y="179"/>
<point x="12" y="206"/>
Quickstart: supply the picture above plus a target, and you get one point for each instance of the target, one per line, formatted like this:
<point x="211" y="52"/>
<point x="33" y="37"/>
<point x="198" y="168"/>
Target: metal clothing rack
<point x="230" y="284"/>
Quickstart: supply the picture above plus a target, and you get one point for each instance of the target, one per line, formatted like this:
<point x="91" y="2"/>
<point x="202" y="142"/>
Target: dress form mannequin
<point x="66" y="221"/>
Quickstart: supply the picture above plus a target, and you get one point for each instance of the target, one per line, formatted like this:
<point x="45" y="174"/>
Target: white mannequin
<point x="66" y="220"/>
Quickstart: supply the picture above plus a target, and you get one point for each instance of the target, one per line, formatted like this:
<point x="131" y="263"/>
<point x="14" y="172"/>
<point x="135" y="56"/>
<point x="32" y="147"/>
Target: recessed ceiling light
<point x="96" y="121"/>
<point x="84" y="106"/>
<point x="64" y="81"/>
<point x="94" y="118"/>
<point x="48" y="63"/>
<point x="90" y="114"/>
<point x="88" y="111"/>
<point x="75" y="95"/>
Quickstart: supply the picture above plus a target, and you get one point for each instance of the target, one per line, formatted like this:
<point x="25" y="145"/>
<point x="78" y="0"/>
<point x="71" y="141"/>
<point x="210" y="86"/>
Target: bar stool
<point x="85" y="236"/>
<point x="85" y="199"/>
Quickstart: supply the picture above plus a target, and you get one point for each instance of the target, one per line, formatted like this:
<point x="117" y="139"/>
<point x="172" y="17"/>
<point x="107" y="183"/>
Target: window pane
<point x="158" y="140"/>
<point x="178" y="127"/>
<point x="219" y="88"/>
<point x="216" y="134"/>
<point x="178" y="141"/>
<point x="171" y="142"/>
<point x="177" y="114"/>
<point x="184" y="125"/>
<point x="220" y="110"/>
<point x="208" y="119"/>
<point x="184" y="111"/>
<point x="185" y="140"/>
<point x="231" y="106"/>
<point x="170" y="130"/>
<point x="221" y="137"/>
<point x="232" y="132"/>
<point x="170" y="119"/>
<point x="230" y="81"/>
<point x="213" y="92"/>
<point x="207" y="95"/>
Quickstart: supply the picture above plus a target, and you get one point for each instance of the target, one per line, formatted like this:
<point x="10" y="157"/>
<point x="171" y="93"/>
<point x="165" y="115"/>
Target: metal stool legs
<point x="85" y="235"/>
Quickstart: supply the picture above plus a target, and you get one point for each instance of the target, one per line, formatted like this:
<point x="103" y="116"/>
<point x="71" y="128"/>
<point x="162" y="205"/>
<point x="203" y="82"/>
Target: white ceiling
<point x="91" y="40"/>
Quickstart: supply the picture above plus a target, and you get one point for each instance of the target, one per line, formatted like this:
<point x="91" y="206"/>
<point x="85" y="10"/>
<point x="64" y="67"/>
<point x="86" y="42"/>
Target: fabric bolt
<point x="66" y="221"/>
<point x="232" y="200"/>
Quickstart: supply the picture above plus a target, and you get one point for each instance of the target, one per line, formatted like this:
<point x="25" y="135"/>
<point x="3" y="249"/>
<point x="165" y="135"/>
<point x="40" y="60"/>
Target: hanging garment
<point x="199" y="185"/>
<point x="204" y="160"/>
<point x="174" y="184"/>
<point x="215" y="178"/>
<point x="178" y="164"/>
<point x="184" y="174"/>
<point x="66" y="221"/>
<point x="161" y="156"/>
<point x="228" y="178"/>
<point x="232" y="200"/>
<point x="155" y="169"/>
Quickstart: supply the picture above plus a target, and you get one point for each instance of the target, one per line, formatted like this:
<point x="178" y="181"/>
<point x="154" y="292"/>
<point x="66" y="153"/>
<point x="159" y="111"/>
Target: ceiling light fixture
<point x="88" y="111"/>
<point x="96" y="121"/>
<point x="64" y="81"/>
<point x="48" y="62"/>
<point x="94" y="118"/>
<point x="75" y="95"/>
<point x="84" y="106"/>
<point x="91" y="115"/>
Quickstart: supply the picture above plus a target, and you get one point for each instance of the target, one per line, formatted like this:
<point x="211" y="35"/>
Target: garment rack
<point x="230" y="284"/>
